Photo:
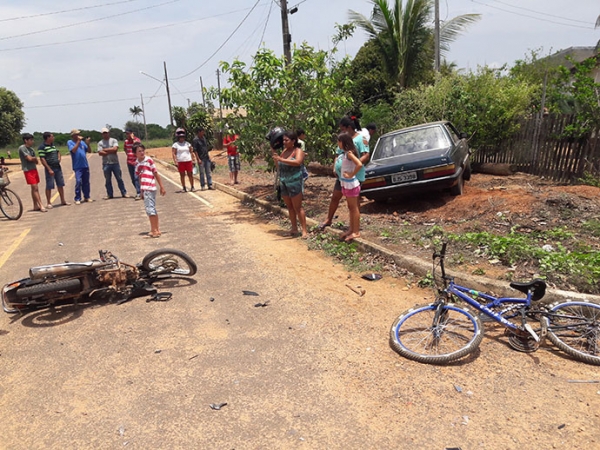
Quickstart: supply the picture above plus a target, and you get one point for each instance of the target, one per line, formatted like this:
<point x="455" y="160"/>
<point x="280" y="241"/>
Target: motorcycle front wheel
<point x="169" y="261"/>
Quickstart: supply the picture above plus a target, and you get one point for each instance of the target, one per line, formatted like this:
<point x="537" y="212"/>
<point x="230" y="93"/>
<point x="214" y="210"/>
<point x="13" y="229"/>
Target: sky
<point x="78" y="64"/>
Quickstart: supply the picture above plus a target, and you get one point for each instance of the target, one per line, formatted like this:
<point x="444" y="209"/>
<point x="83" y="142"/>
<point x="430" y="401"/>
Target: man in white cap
<point x="107" y="148"/>
<point x="78" y="149"/>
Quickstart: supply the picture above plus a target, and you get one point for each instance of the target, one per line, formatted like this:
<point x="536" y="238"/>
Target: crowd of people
<point x="352" y="154"/>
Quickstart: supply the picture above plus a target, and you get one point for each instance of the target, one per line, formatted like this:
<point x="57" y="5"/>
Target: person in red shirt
<point x="233" y="156"/>
<point x="132" y="159"/>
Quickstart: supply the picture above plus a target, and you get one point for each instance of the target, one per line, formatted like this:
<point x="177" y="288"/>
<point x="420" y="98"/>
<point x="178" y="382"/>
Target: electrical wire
<point x="245" y="46"/>
<point x="542" y="13"/>
<point x="265" y="28"/>
<point x="25" y="47"/>
<point x="87" y="21"/>
<point x="66" y="11"/>
<point x="221" y="46"/>
<point x="533" y="17"/>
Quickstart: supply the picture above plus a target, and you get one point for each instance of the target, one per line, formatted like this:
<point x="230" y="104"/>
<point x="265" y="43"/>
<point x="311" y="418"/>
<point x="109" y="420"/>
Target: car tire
<point x="467" y="171"/>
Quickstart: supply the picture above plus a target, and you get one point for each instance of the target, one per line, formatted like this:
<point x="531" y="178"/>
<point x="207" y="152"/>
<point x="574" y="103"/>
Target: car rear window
<point x="412" y="141"/>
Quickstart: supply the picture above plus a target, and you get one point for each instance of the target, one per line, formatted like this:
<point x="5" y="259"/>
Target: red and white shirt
<point x="145" y="171"/>
<point x="128" y="144"/>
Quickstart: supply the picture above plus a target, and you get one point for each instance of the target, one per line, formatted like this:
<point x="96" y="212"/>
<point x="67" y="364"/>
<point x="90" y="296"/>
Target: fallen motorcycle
<point x="103" y="278"/>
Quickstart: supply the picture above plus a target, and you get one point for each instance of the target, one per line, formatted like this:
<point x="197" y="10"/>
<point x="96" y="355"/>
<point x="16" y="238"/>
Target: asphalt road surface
<point x="313" y="369"/>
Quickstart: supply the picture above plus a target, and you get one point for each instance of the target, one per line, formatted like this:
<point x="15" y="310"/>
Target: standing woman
<point x="290" y="180"/>
<point x="183" y="157"/>
<point x="351" y="126"/>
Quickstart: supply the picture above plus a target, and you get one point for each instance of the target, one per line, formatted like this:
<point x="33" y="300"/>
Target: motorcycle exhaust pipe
<point x="62" y="270"/>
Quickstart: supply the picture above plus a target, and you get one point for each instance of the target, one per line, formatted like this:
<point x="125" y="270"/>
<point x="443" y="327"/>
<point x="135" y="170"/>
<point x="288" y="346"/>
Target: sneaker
<point x="138" y="197"/>
<point x="126" y="195"/>
<point x="89" y="200"/>
<point x="211" y="187"/>
<point x="77" y="202"/>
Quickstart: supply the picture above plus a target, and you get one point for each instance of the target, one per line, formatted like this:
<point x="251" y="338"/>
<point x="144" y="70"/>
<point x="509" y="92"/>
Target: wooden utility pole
<point x="285" y="30"/>
<point x="202" y="91"/>
<point x="168" y="94"/>
<point x="144" y="116"/>
<point x="437" y="36"/>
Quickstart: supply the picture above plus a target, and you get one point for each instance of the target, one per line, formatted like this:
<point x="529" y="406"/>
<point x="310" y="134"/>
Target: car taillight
<point x="439" y="171"/>
<point x="373" y="182"/>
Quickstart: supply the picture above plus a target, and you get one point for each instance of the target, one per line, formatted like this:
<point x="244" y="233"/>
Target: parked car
<point x="428" y="157"/>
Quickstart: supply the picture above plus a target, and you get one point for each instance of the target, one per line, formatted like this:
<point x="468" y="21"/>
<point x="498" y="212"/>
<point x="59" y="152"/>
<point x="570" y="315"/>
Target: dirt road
<point x="313" y="369"/>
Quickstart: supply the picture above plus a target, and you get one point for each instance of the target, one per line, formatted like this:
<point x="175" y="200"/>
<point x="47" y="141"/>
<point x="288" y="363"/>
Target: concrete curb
<point x="415" y="265"/>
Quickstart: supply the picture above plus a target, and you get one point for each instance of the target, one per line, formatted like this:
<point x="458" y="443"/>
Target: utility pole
<point x="219" y="88"/>
<point x="285" y="29"/>
<point x="144" y="116"/>
<point x="168" y="93"/>
<point x="437" y="36"/>
<point x="202" y="91"/>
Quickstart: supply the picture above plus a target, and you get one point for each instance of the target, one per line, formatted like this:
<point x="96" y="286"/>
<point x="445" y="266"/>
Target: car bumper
<point x="391" y="190"/>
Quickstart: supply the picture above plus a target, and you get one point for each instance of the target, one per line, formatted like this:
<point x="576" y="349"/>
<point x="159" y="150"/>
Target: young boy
<point x="148" y="177"/>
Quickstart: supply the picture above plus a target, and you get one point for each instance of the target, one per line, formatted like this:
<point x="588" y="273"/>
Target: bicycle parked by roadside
<point x="10" y="203"/>
<point x="444" y="331"/>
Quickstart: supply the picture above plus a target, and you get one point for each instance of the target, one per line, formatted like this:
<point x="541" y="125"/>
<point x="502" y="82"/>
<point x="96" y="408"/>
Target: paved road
<point x="311" y="370"/>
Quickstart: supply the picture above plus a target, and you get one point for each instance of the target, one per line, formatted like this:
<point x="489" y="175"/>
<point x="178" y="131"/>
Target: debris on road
<point x="371" y="276"/>
<point x="261" y="305"/>
<point x="360" y="292"/>
<point x="250" y="293"/>
<point x="217" y="406"/>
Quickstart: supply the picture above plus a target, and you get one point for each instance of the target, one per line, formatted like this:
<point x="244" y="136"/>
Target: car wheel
<point x="458" y="188"/>
<point x="467" y="172"/>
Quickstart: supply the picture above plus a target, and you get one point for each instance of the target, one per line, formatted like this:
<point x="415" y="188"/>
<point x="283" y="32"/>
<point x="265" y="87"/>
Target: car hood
<point x="410" y="161"/>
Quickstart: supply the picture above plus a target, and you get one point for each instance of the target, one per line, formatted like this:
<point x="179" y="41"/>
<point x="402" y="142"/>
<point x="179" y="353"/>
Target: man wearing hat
<point x="107" y="148"/>
<point x="132" y="159"/>
<point x="78" y="149"/>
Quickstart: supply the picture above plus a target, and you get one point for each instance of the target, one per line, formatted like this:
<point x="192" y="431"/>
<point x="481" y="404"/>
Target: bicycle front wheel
<point x="436" y="334"/>
<point x="574" y="327"/>
<point x="10" y="204"/>
<point x="169" y="261"/>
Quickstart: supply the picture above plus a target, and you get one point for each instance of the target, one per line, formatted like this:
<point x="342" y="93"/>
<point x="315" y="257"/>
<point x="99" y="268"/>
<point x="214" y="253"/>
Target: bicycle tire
<point x="71" y="285"/>
<point x="10" y="204"/>
<point x="574" y="327"/>
<point x="167" y="261"/>
<point x="414" y="327"/>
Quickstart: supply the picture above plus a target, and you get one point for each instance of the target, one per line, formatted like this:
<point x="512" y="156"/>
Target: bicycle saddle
<point x="537" y="288"/>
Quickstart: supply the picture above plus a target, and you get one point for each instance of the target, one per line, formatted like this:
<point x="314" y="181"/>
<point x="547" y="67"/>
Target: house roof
<point x="578" y="54"/>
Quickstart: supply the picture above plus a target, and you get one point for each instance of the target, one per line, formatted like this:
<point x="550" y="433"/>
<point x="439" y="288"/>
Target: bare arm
<point x="159" y="181"/>
<point x="352" y="157"/>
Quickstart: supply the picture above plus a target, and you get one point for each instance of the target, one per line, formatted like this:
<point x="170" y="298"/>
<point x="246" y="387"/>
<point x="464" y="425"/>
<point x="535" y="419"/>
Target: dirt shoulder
<point x="495" y="210"/>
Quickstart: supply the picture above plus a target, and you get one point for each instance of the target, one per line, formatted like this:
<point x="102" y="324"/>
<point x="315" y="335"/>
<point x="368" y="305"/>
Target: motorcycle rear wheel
<point x="169" y="261"/>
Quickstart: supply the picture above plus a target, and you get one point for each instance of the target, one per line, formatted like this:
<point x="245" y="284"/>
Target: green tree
<point x="136" y="112"/>
<point x="311" y="92"/>
<point x="12" y="118"/>
<point x="404" y="36"/>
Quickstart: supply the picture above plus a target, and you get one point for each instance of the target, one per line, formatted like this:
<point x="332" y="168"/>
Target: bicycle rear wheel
<point x="574" y="327"/>
<point x="435" y="334"/>
<point x="10" y="204"/>
<point x="169" y="261"/>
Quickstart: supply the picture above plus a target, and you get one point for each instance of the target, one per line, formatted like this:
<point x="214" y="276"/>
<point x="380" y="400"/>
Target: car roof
<point x="417" y="127"/>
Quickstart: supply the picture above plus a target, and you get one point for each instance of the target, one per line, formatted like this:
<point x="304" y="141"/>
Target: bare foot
<point x="351" y="237"/>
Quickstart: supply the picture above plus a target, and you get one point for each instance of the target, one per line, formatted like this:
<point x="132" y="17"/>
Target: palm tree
<point x="136" y="111"/>
<point x="404" y="36"/>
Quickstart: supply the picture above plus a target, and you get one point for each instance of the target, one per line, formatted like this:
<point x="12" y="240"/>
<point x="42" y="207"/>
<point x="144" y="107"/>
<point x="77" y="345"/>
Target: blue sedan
<point x="428" y="157"/>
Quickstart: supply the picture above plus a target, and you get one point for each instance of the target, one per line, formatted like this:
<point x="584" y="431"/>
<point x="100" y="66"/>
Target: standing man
<point x="107" y="148"/>
<point x="50" y="158"/>
<point x="233" y="156"/>
<point x="132" y="159"/>
<point x="201" y="148"/>
<point x="78" y="149"/>
<point x="28" y="164"/>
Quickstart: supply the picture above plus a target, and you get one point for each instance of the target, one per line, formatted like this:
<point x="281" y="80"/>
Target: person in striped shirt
<point x="148" y="178"/>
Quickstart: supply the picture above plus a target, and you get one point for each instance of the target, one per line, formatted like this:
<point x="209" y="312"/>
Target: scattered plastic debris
<point x="371" y="276"/>
<point x="458" y="388"/>
<point x="357" y="290"/>
<point x="122" y="430"/>
<point x="157" y="351"/>
<point x="250" y="293"/>
<point x="561" y="426"/>
<point x="60" y="244"/>
<point x="583" y="381"/>
<point x="212" y="299"/>
<point x="465" y="420"/>
<point x="217" y="406"/>
<point x="261" y="305"/>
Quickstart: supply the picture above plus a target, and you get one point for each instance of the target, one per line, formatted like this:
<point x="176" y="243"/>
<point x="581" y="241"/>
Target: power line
<point x="87" y="21"/>
<point x="65" y="11"/>
<point x="266" y="23"/>
<point x="221" y="46"/>
<point x="533" y="17"/>
<point x="541" y="13"/>
<point x="25" y="47"/>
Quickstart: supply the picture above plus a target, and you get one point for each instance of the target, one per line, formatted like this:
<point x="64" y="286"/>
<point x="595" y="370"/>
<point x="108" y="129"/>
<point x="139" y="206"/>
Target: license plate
<point x="403" y="177"/>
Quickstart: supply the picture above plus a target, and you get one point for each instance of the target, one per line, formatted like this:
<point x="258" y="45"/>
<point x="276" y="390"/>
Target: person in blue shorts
<point x="50" y="158"/>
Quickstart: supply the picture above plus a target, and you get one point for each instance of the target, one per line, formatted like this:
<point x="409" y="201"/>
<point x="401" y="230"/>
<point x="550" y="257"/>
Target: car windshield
<point x="411" y="141"/>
